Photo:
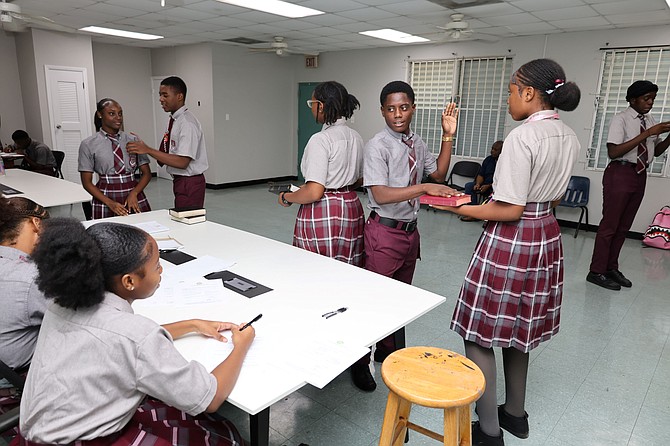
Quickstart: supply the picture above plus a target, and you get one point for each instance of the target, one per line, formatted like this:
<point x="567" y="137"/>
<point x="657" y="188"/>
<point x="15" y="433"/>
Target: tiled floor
<point x="604" y="380"/>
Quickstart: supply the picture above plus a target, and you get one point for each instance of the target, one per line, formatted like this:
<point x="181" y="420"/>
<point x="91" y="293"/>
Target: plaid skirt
<point x="332" y="226"/>
<point x="117" y="187"/>
<point x="157" y="424"/>
<point x="512" y="293"/>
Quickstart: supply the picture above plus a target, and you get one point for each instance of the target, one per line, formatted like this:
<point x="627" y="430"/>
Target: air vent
<point x="244" y="41"/>
<point x="457" y="4"/>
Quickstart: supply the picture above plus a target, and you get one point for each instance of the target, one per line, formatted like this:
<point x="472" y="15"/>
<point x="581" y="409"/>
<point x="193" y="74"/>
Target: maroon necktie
<point x="119" y="165"/>
<point x="165" y="144"/>
<point x="642" y="154"/>
<point x="412" y="164"/>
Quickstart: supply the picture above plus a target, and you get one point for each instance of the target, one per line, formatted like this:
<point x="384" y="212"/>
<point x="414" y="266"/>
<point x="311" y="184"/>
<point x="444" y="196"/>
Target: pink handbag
<point x="658" y="234"/>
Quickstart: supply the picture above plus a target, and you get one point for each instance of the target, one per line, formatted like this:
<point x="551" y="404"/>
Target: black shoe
<point x="479" y="438"/>
<point x="618" y="277"/>
<point x="381" y="354"/>
<point x="517" y="426"/>
<point x="603" y="281"/>
<point x="362" y="378"/>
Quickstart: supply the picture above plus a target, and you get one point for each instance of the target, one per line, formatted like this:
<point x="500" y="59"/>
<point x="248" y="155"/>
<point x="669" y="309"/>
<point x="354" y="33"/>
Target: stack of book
<point x="188" y="215"/>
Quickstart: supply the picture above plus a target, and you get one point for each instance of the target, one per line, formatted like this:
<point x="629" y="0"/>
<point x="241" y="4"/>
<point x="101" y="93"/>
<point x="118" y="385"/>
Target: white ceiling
<point x="193" y="21"/>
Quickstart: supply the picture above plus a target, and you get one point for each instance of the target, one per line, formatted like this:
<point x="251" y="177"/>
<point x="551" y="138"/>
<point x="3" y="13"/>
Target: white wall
<point x="129" y="87"/>
<point x="255" y="126"/>
<point x="65" y="50"/>
<point x="11" y="104"/>
<point x="365" y="72"/>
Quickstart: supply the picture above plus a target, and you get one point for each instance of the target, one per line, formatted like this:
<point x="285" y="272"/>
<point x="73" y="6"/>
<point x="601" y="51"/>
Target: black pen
<point x="251" y="322"/>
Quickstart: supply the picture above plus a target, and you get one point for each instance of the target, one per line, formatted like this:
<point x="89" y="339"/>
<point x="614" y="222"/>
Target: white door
<point x="161" y="120"/>
<point x="69" y="114"/>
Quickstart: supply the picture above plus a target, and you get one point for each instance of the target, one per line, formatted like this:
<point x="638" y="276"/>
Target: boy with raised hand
<point x="395" y="161"/>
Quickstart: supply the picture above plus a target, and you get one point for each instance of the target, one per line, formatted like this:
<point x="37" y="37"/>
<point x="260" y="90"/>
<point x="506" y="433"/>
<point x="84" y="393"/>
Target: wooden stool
<point x="430" y="377"/>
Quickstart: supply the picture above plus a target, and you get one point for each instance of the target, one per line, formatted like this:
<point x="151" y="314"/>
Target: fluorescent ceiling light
<point x="668" y="2"/>
<point x="395" y="36"/>
<point x="120" y="33"/>
<point x="277" y="7"/>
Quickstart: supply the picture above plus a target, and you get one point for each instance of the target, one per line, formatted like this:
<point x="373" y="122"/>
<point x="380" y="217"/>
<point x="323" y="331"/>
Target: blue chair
<point x="577" y="196"/>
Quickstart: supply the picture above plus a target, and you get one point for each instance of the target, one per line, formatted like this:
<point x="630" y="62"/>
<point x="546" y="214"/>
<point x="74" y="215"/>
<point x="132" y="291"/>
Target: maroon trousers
<point x="391" y="253"/>
<point x="189" y="191"/>
<point x="623" y="190"/>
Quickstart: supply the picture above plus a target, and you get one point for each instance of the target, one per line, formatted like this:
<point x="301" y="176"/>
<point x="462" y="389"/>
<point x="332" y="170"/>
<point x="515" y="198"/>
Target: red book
<point x="454" y="200"/>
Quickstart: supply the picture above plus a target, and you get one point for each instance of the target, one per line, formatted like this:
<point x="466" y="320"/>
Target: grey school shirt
<point x="386" y="163"/>
<point x="40" y="153"/>
<point x="23" y="306"/>
<point x="92" y="367"/>
<point x="96" y="154"/>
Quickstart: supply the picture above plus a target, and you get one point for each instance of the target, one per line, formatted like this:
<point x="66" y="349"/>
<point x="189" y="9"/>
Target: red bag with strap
<point x="658" y="233"/>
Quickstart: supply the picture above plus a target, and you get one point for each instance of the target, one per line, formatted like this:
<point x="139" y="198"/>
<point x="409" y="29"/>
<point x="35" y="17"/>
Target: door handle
<point x="58" y="126"/>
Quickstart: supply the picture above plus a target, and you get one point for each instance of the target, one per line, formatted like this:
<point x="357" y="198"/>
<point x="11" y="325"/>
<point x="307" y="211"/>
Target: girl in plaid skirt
<point x="117" y="192"/>
<point x="511" y="296"/>
<point x="330" y="220"/>
<point x="100" y="374"/>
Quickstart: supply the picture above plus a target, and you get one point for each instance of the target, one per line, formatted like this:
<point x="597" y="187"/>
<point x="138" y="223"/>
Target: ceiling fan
<point x="277" y="46"/>
<point x="13" y="20"/>
<point x="457" y="28"/>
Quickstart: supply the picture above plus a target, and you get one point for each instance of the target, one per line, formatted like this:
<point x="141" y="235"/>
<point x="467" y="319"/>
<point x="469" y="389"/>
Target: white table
<point x="9" y="158"/>
<point x="305" y="286"/>
<point x="44" y="189"/>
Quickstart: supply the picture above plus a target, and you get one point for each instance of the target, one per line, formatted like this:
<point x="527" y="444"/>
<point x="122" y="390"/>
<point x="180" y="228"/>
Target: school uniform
<point x="391" y="233"/>
<point x="333" y="225"/>
<point x="23" y="307"/>
<point x="116" y="178"/>
<point x="623" y="190"/>
<point x="92" y="370"/>
<point x="512" y="292"/>
<point x="185" y="138"/>
<point x="41" y="154"/>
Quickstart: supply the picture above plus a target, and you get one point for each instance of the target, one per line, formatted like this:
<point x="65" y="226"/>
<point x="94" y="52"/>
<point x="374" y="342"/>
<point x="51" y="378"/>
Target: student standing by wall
<point x="183" y="147"/>
<point x="632" y="141"/>
<point x="330" y="221"/>
<point x="96" y="361"/>
<point x="117" y="192"/>
<point x="511" y="296"/>
<point x="396" y="160"/>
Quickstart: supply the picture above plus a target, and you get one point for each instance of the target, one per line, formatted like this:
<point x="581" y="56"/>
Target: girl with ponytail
<point x="511" y="296"/>
<point x="96" y="361"/>
<point x="330" y="220"/>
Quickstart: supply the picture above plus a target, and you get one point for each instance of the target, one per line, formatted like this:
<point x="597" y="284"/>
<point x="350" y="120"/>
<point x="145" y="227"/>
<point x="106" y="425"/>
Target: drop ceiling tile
<point x="332" y="6"/>
<point x="513" y="19"/>
<point x="531" y="28"/>
<point x="412" y="7"/>
<point x="257" y="17"/>
<point x="367" y="14"/>
<point x="187" y="14"/>
<point x="115" y="11"/>
<point x="580" y="24"/>
<point x="228" y="22"/>
<point x="217" y="7"/>
<point x="566" y="13"/>
<point x="638" y="19"/>
<point x="494" y="9"/>
<point x="543" y="5"/>
<point x="294" y="24"/>
<point x="355" y="27"/>
<point x="143" y="5"/>
<point x="628" y="7"/>
<point x="328" y="20"/>
<point x="397" y="23"/>
<point x="262" y="28"/>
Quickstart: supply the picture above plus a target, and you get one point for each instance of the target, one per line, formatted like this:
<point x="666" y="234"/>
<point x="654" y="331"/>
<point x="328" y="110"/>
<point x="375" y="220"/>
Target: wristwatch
<point x="284" y="200"/>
